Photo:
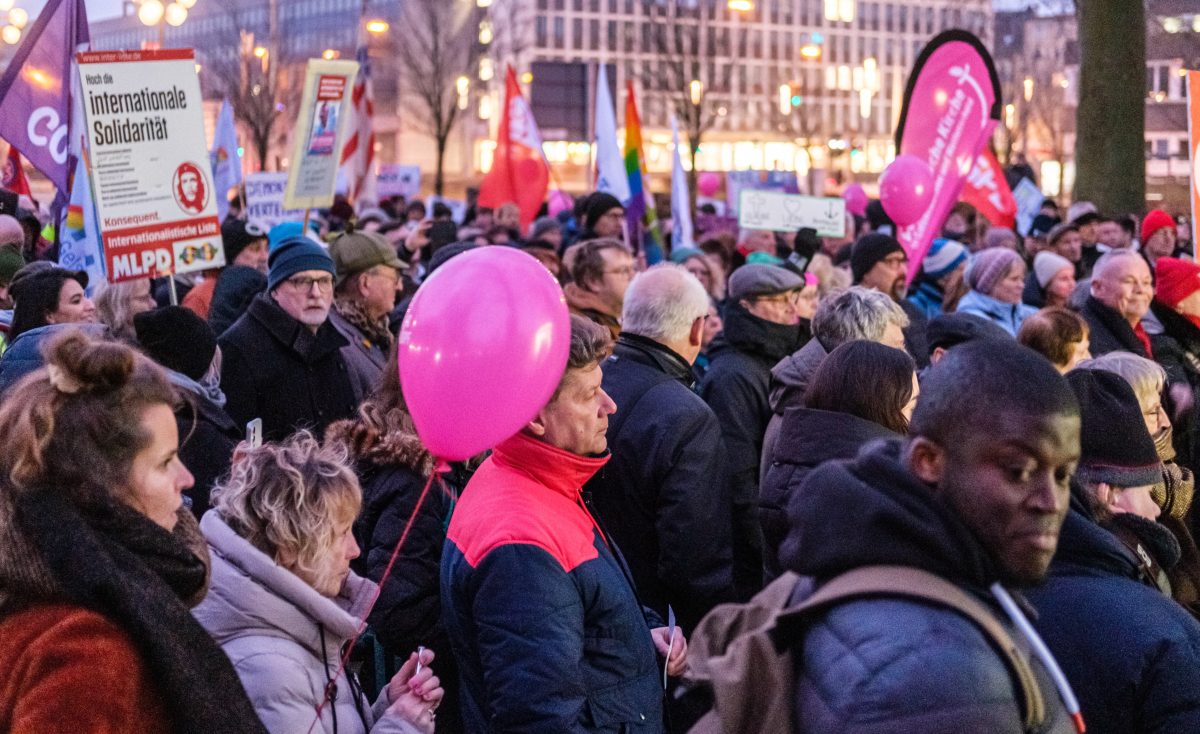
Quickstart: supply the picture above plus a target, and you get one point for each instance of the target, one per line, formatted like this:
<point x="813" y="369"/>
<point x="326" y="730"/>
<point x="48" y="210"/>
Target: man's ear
<point x="938" y="353"/>
<point x="696" y="335"/>
<point x="926" y="460"/>
<point x="537" y="426"/>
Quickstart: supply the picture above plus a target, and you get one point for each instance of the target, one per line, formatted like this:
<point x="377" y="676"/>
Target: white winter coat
<point x="270" y="624"/>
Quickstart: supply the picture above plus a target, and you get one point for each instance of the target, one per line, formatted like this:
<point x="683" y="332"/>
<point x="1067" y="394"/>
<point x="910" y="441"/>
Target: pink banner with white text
<point x="951" y="105"/>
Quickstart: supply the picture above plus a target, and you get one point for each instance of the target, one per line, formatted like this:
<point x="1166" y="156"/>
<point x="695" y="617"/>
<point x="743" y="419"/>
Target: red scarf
<point x="1140" y="332"/>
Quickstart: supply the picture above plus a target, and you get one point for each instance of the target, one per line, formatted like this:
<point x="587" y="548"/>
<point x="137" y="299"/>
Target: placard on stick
<point x="319" y="134"/>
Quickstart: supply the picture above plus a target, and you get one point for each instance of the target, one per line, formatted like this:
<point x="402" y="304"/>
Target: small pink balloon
<point x="708" y="184"/>
<point x="906" y="189"/>
<point x="560" y="201"/>
<point x="482" y="347"/>
<point x="856" y="200"/>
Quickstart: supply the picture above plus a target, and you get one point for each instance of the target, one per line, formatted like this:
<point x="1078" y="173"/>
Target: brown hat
<point x="358" y="251"/>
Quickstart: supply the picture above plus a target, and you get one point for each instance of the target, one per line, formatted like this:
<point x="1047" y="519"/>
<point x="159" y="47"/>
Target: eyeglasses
<point x="627" y="271"/>
<point x="305" y="284"/>
<point x="791" y="297"/>
<point x="390" y="275"/>
<point x="895" y="261"/>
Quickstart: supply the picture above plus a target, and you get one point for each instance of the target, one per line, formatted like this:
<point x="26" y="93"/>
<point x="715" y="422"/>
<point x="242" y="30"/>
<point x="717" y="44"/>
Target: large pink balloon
<point x="559" y="201"/>
<point x="856" y="199"/>
<point x="906" y="189"/>
<point x="708" y="184"/>
<point x="482" y="347"/>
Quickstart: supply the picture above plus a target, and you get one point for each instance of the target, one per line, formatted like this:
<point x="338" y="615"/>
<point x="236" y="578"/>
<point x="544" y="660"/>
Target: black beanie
<point x="1115" y="446"/>
<point x="597" y="205"/>
<point x="177" y="338"/>
<point x="445" y="252"/>
<point x="238" y="235"/>
<point x="870" y="249"/>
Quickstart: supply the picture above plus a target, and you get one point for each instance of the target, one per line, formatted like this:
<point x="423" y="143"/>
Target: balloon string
<point x="442" y="467"/>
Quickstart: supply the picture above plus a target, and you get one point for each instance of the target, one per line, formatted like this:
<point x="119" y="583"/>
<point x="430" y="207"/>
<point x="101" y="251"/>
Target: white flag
<point x="226" y="163"/>
<point x="681" y="214"/>
<point x="610" y="168"/>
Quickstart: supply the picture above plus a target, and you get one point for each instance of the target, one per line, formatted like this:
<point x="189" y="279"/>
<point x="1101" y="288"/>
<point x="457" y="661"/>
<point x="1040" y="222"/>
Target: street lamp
<point x="17" y="18"/>
<point x="155" y="13"/>
<point x="377" y="26"/>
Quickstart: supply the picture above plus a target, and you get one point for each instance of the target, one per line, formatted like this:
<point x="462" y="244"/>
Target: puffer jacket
<point x="789" y="381"/>
<point x="891" y="665"/>
<point x="285" y="639"/>
<point x="1008" y="316"/>
<point x="24" y="354"/>
<point x="539" y="605"/>
<point x="1131" y="653"/>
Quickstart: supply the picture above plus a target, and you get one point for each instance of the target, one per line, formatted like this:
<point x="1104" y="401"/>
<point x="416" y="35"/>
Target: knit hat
<point x="295" y="255"/>
<point x="680" y="255"/>
<point x="1048" y="264"/>
<point x="988" y="268"/>
<point x="11" y="231"/>
<point x="597" y="205"/>
<point x="951" y="329"/>
<point x="238" y="234"/>
<point x="1175" y="280"/>
<point x="177" y="338"/>
<point x="1080" y="209"/>
<point x="1115" y="446"/>
<point x="287" y="230"/>
<point x="1042" y="224"/>
<point x="1057" y="231"/>
<point x="943" y="257"/>
<point x="358" y="251"/>
<point x="759" y="279"/>
<point x="446" y="252"/>
<point x="869" y="250"/>
<point x="763" y="258"/>
<point x="542" y="225"/>
<point x="10" y="262"/>
<point x="1155" y="220"/>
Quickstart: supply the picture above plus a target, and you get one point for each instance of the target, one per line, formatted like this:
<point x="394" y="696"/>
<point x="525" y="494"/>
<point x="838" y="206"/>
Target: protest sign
<point x="264" y="200"/>
<point x="735" y="181"/>
<point x="1029" y="200"/>
<point x="149" y="167"/>
<point x="779" y="212"/>
<point x="397" y="180"/>
<point x="319" y="134"/>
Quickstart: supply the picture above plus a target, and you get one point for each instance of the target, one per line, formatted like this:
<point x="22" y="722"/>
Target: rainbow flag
<point x="639" y="212"/>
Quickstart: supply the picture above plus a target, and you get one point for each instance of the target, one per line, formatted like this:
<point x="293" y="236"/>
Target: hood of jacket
<point x="810" y="437"/>
<point x="253" y="595"/>
<point x="766" y="340"/>
<point x="873" y="511"/>
<point x="236" y="286"/>
<point x="1084" y="546"/>
<point x="294" y="335"/>
<point x="789" y="378"/>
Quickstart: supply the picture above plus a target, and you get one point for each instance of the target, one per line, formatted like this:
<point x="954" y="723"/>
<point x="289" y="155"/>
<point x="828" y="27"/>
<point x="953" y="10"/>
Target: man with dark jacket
<point x="664" y="497"/>
<point x="879" y="261"/>
<point x="762" y="326"/>
<point x="1131" y="653"/>
<point x="537" y="601"/>
<point x="1121" y="290"/>
<point x="976" y="496"/>
<point x="282" y="360"/>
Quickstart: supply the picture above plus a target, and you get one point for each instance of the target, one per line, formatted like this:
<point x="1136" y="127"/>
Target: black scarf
<point x="118" y="563"/>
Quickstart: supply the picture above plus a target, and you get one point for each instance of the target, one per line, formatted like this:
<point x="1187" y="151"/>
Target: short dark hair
<point x="864" y="379"/>
<point x="983" y="378"/>
<point x="36" y="297"/>
<point x="1053" y="333"/>
<point x="590" y="345"/>
<point x="589" y="261"/>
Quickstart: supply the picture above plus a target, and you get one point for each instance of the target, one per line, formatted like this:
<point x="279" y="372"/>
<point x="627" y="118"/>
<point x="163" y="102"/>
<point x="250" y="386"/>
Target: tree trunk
<point x="1110" y="160"/>
<point x="441" y="156"/>
<point x="693" y="178"/>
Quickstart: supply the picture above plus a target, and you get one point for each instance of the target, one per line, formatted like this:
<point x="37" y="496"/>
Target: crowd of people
<point x="219" y="516"/>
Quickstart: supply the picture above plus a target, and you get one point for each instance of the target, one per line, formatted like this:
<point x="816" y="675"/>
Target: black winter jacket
<point x="274" y="368"/>
<point x="207" y="438"/>
<point x="890" y="665"/>
<point x="737" y="388"/>
<point x="915" y="341"/>
<point x="1132" y="654"/>
<point x="807" y="439"/>
<point x="664" y="496"/>
<point x="1110" y="332"/>
<point x="1177" y="349"/>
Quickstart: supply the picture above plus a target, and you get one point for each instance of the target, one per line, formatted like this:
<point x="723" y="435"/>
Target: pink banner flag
<point x="951" y="105"/>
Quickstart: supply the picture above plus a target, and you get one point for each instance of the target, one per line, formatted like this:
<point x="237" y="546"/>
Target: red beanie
<point x="1154" y="221"/>
<point x="1175" y="280"/>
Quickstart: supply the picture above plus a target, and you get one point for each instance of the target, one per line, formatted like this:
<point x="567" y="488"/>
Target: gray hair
<point x="114" y="308"/>
<point x="1145" y="376"/>
<point x="1103" y="263"/>
<point x="663" y="302"/>
<point x="855" y="313"/>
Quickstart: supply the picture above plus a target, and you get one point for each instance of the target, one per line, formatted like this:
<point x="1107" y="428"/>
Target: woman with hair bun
<point x="100" y="562"/>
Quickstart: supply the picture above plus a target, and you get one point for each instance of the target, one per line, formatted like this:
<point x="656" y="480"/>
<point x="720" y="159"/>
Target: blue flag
<point x="226" y="163"/>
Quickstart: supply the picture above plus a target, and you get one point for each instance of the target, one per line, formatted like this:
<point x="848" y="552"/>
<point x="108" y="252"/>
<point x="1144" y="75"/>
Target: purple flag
<point x="35" y="91"/>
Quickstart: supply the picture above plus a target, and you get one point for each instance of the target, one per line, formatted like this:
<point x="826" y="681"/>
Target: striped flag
<point x="358" y="154"/>
<point x="640" y="210"/>
<point x="80" y="246"/>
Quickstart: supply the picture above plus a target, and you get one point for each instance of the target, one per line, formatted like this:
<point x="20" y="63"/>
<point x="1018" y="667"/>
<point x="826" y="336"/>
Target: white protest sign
<point x="397" y="180"/>
<point x="149" y="165"/>
<point x="778" y="212"/>
<point x="319" y="133"/>
<point x="264" y="200"/>
<point x="1029" y="200"/>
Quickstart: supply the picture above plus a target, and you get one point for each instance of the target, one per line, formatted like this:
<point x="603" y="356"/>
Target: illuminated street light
<point x="377" y="26"/>
<point x="175" y="14"/>
<point x="810" y="51"/>
<point x="6" y="5"/>
<point x="329" y="54"/>
<point x="18" y="17"/>
<point x="785" y="99"/>
<point x="151" y="12"/>
<point x="696" y="89"/>
<point x="741" y="6"/>
<point x="260" y="52"/>
<point x="1028" y="88"/>
<point x="11" y="35"/>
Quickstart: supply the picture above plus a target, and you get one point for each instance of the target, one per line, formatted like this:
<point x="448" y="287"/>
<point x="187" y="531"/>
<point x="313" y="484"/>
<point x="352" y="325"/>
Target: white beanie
<point x="1079" y="208"/>
<point x="1048" y="264"/>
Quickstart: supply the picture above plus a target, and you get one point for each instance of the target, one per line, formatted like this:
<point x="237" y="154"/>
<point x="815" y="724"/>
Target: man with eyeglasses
<point x="282" y="361"/>
<point x="600" y="270"/>
<point x="879" y="261"/>
<point x="364" y="293"/>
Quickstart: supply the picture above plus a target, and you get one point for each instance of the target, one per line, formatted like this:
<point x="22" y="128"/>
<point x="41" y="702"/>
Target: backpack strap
<point x="913" y="583"/>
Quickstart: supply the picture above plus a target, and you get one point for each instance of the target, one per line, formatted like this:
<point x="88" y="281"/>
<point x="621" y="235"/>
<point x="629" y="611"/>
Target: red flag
<point x="358" y="154"/>
<point x="13" y="178"/>
<point x="519" y="173"/>
<point x="986" y="189"/>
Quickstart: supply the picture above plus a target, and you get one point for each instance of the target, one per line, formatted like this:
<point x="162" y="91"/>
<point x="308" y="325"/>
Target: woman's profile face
<point x="157" y="477"/>
<point x="335" y="566"/>
<point x="73" y="305"/>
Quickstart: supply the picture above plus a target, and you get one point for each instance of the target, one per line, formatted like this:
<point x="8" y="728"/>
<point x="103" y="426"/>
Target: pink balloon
<point x="482" y="347"/>
<point x="559" y="201"/>
<point x="906" y="189"/>
<point x="708" y="184"/>
<point x="856" y="200"/>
